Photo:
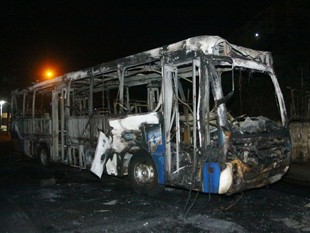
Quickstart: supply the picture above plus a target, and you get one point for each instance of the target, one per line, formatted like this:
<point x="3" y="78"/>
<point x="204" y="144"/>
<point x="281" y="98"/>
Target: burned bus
<point x="202" y="114"/>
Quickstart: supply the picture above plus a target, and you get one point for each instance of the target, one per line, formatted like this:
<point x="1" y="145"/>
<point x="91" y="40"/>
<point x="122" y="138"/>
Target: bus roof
<point x="208" y="45"/>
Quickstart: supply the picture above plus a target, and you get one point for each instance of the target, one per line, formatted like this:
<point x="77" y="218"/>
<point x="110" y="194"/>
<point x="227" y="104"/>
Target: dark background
<point x="73" y="35"/>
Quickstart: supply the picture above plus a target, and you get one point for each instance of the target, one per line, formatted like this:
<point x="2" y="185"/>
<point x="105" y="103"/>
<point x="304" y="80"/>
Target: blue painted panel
<point x="159" y="160"/>
<point x="156" y="144"/>
<point x="211" y="177"/>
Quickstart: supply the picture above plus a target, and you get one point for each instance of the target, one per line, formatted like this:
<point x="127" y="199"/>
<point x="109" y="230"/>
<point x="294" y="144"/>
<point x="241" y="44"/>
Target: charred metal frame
<point x="156" y="123"/>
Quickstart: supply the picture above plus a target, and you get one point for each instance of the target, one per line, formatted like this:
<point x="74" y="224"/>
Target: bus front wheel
<point x="143" y="175"/>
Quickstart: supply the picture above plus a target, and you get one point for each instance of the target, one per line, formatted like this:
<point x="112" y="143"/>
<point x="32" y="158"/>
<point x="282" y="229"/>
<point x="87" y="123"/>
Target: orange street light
<point x="49" y="74"/>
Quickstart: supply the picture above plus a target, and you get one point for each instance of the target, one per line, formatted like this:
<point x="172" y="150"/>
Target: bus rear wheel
<point x="143" y="175"/>
<point x="44" y="156"/>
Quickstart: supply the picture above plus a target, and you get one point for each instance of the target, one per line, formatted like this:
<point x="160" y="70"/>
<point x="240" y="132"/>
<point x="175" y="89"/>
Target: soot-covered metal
<point x="167" y="116"/>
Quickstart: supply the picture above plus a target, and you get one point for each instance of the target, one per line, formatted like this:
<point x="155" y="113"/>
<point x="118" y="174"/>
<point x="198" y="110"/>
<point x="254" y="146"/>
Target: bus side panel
<point x="156" y="143"/>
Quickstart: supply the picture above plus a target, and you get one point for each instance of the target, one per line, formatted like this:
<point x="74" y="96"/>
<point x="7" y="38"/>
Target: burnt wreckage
<point x="191" y="114"/>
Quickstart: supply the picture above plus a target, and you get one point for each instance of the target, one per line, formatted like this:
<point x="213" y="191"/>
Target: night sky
<point x="73" y="35"/>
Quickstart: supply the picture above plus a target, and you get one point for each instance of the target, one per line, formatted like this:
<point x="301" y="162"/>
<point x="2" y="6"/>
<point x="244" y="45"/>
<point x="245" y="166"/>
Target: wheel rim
<point x="144" y="173"/>
<point x="43" y="157"/>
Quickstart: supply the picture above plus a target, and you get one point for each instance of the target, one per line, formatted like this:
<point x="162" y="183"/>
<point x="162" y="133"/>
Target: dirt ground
<point x="66" y="199"/>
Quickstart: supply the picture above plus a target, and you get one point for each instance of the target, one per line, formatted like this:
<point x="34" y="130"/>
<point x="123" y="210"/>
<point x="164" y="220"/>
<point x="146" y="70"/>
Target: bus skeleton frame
<point x="91" y="119"/>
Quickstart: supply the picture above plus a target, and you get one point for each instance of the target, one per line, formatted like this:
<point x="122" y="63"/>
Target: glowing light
<point x="2" y="102"/>
<point x="49" y="74"/>
<point x="256" y="34"/>
<point x="47" y="70"/>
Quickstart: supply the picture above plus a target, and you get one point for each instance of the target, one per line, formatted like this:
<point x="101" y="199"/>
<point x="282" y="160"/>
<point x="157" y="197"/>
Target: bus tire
<point x="143" y="175"/>
<point x="44" y="156"/>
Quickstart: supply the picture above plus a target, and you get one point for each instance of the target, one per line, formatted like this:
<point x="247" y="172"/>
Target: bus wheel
<point x="44" y="156"/>
<point x="143" y="175"/>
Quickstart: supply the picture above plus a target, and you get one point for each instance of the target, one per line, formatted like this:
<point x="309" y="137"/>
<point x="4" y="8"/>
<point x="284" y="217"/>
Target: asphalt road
<point x="65" y="199"/>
